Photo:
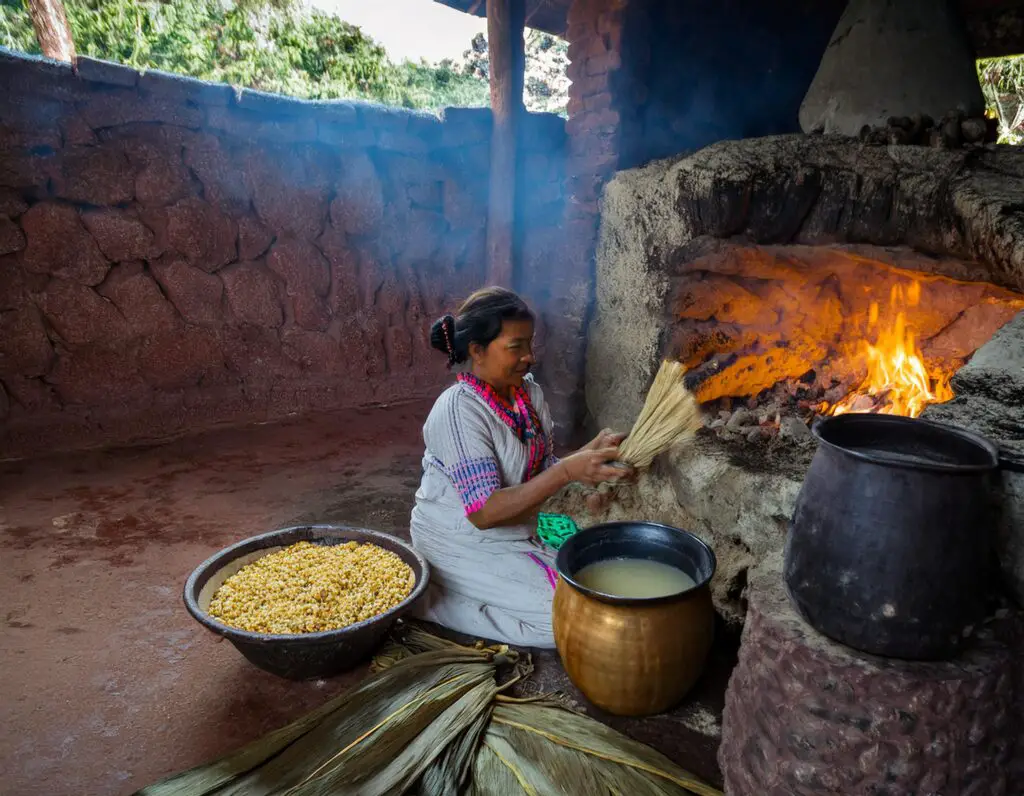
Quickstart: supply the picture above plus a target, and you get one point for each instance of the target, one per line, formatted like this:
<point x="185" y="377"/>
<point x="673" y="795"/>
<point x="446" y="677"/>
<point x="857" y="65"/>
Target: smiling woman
<point x="488" y="467"/>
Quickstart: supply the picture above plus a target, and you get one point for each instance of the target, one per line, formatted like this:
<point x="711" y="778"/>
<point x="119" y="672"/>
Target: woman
<point x="489" y="466"/>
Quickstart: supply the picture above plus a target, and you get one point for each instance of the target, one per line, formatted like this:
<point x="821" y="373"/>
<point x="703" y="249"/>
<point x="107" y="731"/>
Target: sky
<point x="410" y="29"/>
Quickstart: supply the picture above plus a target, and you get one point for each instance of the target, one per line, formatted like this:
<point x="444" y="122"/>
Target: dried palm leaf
<point x="432" y="721"/>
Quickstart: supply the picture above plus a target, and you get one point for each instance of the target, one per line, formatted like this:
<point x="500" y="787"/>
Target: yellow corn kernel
<point x="309" y="588"/>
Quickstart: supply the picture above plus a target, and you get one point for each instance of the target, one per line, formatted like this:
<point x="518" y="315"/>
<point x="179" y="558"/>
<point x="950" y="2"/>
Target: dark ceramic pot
<point x="634" y="657"/>
<point x="891" y="546"/>
<point x="308" y="655"/>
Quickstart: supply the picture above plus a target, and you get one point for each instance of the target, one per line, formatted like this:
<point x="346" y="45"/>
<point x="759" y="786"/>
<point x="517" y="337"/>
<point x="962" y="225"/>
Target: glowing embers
<point x="898" y="381"/>
<point x="806" y="330"/>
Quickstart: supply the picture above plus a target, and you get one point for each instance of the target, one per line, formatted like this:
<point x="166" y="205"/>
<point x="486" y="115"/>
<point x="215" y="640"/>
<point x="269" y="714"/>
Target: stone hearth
<point x="933" y="213"/>
<point x="861" y="724"/>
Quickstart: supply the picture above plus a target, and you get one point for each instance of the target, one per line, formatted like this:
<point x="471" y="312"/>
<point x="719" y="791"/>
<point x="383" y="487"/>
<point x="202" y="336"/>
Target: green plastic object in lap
<point x="554" y="529"/>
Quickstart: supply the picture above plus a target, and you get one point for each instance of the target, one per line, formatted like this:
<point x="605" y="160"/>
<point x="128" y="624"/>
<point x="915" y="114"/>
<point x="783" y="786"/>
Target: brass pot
<point x="634" y="657"/>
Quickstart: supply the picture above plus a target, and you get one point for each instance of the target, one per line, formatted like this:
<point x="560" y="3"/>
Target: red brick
<point x="585" y="86"/>
<point x="601" y="64"/>
<point x="597" y="102"/>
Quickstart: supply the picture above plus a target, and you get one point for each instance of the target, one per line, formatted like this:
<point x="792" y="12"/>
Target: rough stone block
<point x="31" y="73"/>
<point x="95" y="175"/>
<point x="139" y="299"/>
<point x="14" y="289"/>
<point x="207" y="238"/>
<point x="350" y="136"/>
<point x="121" y="235"/>
<point x="25" y="349"/>
<point x="59" y="244"/>
<point x="223" y="181"/>
<point x="81" y="316"/>
<point x="76" y="378"/>
<point x="163" y="181"/>
<point x="253" y="294"/>
<point x="307" y="278"/>
<point x="168" y="85"/>
<point x="463" y="209"/>
<point x="112" y="108"/>
<point x="464" y="126"/>
<point x="990" y="401"/>
<point x="249" y="126"/>
<point x="253" y="238"/>
<point x="12" y="204"/>
<point x="96" y="71"/>
<point x="178" y="359"/>
<point x="197" y="295"/>
<point x="289" y="190"/>
<point x="343" y="299"/>
<point x="12" y="239"/>
<point x="314" y="352"/>
<point x="854" y="723"/>
<point x="358" y="207"/>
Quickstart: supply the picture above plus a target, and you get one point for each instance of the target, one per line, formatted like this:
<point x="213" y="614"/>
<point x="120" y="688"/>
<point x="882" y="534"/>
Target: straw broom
<point x="670" y="414"/>
<point x="433" y="721"/>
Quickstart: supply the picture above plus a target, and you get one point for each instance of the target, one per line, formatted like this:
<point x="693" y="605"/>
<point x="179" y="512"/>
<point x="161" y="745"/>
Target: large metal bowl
<point x="302" y="656"/>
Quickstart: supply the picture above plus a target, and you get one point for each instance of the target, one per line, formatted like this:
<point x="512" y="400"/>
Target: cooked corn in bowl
<point x="310" y="601"/>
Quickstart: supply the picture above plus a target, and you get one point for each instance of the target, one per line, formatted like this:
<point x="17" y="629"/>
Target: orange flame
<point x="897" y="381"/>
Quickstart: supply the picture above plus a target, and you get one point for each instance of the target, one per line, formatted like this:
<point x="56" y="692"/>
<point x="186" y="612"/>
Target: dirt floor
<point x="108" y="684"/>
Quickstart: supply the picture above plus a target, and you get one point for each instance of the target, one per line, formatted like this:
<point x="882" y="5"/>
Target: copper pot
<point x="634" y="657"/>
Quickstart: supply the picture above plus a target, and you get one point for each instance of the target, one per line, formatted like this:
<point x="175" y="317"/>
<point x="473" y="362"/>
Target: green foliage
<point x="1002" y="81"/>
<point x="270" y="45"/>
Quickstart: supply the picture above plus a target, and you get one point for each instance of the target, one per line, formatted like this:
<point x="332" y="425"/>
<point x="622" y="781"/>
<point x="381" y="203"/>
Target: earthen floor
<point x="107" y="684"/>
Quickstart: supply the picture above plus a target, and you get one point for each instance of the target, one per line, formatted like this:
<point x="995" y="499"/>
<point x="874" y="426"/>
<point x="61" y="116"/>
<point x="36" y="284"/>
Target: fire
<point x="897" y="382"/>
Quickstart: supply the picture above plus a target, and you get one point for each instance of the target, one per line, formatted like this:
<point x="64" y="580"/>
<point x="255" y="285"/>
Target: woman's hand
<point x="606" y="439"/>
<point x="593" y="467"/>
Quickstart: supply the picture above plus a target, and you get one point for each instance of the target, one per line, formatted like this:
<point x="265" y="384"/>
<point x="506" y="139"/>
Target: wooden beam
<point x="51" y="25"/>
<point x="506" y="20"/>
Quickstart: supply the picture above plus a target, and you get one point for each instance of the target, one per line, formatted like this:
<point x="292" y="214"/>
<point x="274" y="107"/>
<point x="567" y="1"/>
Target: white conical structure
<point x="892" y="58"/>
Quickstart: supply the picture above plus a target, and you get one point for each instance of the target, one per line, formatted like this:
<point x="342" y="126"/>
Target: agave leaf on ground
<point x="285" y="757"/>
<point x="563" y="742"/>
<point x="432" y="721"/>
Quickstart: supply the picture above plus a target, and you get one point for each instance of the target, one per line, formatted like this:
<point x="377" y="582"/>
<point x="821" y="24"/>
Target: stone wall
<point x="176" y="254"/>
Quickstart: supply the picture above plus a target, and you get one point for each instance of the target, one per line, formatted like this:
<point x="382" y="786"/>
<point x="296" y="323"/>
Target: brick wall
<point x="176" y="254"/>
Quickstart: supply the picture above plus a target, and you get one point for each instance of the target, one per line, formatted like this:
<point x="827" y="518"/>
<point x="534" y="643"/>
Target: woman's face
<point x="508" y="358"/>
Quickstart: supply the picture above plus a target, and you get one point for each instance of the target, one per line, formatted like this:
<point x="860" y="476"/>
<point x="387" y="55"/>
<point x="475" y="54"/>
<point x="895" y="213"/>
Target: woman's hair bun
<point x="442" y="337"/>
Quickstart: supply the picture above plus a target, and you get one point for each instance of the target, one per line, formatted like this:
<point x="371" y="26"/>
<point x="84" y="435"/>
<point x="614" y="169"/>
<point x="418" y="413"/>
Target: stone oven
<point x="867" y="264"/>
<point x="798" y="276"/>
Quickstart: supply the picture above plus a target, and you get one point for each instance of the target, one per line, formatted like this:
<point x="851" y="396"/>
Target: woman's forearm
<point x="507" y="505"/>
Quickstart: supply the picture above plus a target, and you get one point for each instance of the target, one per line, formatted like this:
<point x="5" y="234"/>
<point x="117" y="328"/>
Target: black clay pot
<point x="307" y="655"/>
<point x="891" y="546"/>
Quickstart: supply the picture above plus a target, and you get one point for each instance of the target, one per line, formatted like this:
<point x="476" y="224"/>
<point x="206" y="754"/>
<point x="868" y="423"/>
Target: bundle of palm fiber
<point x="432" y="720"/>
<point x="670" y="414"/>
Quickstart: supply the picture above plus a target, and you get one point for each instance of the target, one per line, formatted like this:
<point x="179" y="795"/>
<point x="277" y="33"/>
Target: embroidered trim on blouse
<point x="475" y="480"/>
<point x="519" y="416"/>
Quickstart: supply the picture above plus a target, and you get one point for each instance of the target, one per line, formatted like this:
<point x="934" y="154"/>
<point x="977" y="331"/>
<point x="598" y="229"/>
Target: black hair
<point x="479" y="321"/>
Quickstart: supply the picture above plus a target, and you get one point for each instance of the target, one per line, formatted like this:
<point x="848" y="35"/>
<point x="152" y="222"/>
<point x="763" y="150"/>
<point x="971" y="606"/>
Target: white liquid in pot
<point x="633" y="578"/>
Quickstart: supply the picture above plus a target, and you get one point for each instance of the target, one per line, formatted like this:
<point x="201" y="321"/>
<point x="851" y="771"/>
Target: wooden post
<point x="51" y="25"/>
<point x="506" y="20"/>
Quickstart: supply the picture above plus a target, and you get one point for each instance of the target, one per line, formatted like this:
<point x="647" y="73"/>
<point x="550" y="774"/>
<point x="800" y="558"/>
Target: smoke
<point x="724" y="70"/>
